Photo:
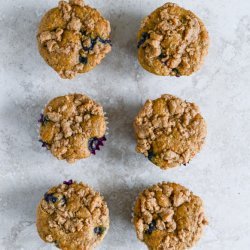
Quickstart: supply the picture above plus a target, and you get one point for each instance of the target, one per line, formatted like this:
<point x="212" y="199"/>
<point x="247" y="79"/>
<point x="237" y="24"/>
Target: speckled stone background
<point x="220" y="174"/>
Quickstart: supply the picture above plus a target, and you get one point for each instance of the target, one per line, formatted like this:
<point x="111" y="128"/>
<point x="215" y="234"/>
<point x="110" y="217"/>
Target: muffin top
<point x="73" y="38"/>
<point x="168" y="216"/>
<point x="72" y="127"/>
<point x="73" y="216"/>
<point x="172" y="41"/>
<point x="169" y="131"/>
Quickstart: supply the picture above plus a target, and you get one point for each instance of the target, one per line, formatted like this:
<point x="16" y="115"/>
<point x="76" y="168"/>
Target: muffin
<point x="172" y="41"/>
<point x="73" y="216"/>
<point x="72" y="127"/>
<point x="168" y="216"/>
<point x="169" y="131"/>
<point x="73" y="38"/>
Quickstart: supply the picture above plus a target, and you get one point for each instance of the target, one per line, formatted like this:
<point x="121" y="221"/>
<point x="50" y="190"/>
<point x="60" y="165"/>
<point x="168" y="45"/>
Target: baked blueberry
<point x="95" y="144"/>
<point x="99" y="230"/>
<point x="143" y="39"/>
<point x="50" y="198"/>
<point x="151" y="227"/>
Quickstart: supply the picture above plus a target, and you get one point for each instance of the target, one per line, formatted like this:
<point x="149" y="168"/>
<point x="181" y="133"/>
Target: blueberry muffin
<point x="73" y="216"/>
<point x="73" y="38"/>
<point x="72" y="127"/>
<point x="168" y="216"/>
<point x="172" y="41"/>
<point x="169" y="131"/>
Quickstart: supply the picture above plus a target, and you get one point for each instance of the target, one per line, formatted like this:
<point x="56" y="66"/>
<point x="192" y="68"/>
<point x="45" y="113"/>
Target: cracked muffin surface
<point x="72" y="127"/>
<point x="73" y="216"/>
<point x="168" y="216"/>
<point x="172" y="41"/>
<point x="73" y="38"/>
<point x="169" y="131"/>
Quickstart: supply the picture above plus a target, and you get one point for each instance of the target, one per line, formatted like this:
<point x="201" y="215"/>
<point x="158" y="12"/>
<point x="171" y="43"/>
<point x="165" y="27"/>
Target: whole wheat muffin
<point x="73" y="216"/>
<point x="167" y="216"/>
<point x="72" y="127"/>
<point x="169" y="131"/>
<point x="73" y="38"/>
<point x="172" y="41"/>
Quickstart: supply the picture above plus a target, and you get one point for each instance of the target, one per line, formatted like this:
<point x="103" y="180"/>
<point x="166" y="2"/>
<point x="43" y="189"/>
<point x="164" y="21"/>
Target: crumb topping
<point x="77" y="2"/>
<point x="77" y="25"/>
<point x="169" y="131"/>
<point x="68" y="123"/>
<point x="168" y="215"/>
<point x="73" y="211"/>
<point x="177" y="41"/>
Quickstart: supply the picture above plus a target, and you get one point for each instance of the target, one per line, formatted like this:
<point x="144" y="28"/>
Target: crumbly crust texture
<point x="169" y="131"/>
<point x="167" y="216"/>
<point x="69" y="123"/>
<point x="74" y="217"/>
<point x="172" y="41"/>
<point x="73" y="38"/>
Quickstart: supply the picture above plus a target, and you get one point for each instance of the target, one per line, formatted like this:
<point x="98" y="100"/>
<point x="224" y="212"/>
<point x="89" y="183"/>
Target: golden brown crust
<point x="64" y="33"/>
<point x="167" y="216"/>
<point x="169" y="131"/>
<point x="68" y="123"/>
<point x="172" y="41"/>
<point x="73" y="216"/>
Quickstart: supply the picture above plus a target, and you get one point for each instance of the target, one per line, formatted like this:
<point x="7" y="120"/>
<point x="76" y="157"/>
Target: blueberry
<point x="44" y="144"/>
<point x="151" y="155"/>
<point x="50" y="198"/>
<point x="95" y="143"/>
<point x="143" y="39"/>
<point x="92" y="45"/>
<point x="107" y="41"/>
<point x="99" y="230"/>
<point x="83" y="60"/>
<point x="177" y="72"/>
<point x="43" y="119"/>
<point x="151" y="227"/>
<point x="94" y="41"/>
<point x="161" y="56"/>
<point x="69" y="182"/>
<point x="64" y="200"/>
